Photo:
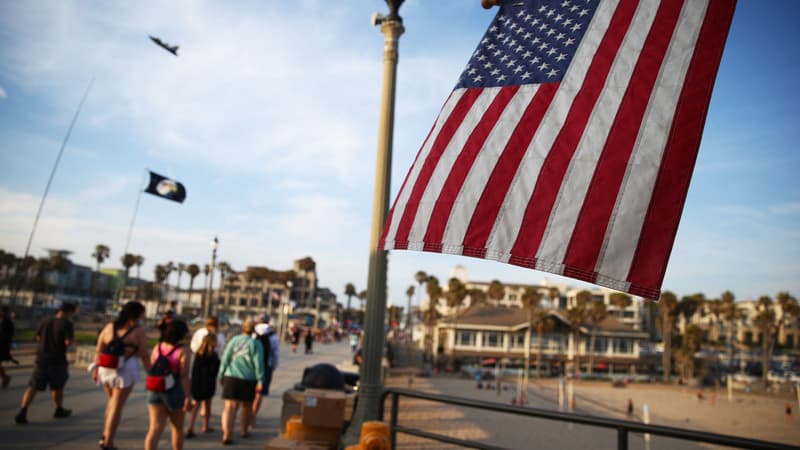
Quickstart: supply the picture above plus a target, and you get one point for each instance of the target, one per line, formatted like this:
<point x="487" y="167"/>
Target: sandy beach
<point x="748" y="415"/>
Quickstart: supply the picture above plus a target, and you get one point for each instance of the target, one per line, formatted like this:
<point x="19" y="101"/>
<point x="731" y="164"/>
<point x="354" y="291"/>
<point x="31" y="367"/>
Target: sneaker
<point x="61" y="413"/>
<point x="190" y="434"/>
<point x="21" y="418"/>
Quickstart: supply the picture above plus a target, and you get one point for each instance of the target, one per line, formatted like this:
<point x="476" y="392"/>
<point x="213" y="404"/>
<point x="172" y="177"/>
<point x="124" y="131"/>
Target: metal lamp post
<point x="207" y="305"/>
<point x="284" y="312"/>
<point x="371" y="382"/>
<point x="316" y="317"/>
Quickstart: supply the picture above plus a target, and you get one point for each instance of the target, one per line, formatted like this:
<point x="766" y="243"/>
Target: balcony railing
<point x="623" y="427"/>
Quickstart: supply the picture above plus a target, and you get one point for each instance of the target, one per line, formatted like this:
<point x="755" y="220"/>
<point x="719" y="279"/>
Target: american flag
<point x="569" y="141"/>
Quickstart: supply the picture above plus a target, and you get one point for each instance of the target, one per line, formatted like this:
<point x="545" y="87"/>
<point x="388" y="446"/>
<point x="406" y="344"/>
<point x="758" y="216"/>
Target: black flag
<point x="166" y="188"/>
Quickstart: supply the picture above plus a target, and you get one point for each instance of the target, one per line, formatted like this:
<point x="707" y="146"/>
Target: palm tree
<point x="410" y="295"/>
<point x="621" y="302"/>
<point x="496" y="291"/>
<point x="193" y="270"/>
<point x="476" y="296"/>
<point x="139" y="260"/>
<point x="692" y="337"/>
<point x="789" y="309"/>
<point x="668" y="307"/>
<point x="767" y="325"/>
<point x="434" y="295"/>
<point x="730" y="315"/>
<point x="101" y="252"/>
<point x="160" y="274"/>
<point x="689" y="305"/>
<point x="169" y="268"/>
<point x="542" y="322"/>
<point x="596" y="313"/>
<point x="576" y="316"/>
<point x="350" y="292"/>
<point x="362" y="296"/>
<point x="420" y="277"/>
<point x="555" y="294"/>
<point x="456" y="293"/>
<point x="181" y="269"/>
<point x="530" y="302"/>
<point x="127" y="260"/>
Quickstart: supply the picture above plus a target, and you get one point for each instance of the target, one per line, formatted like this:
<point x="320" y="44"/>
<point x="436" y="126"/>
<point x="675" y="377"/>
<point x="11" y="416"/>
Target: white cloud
<point x="3" y="94"/>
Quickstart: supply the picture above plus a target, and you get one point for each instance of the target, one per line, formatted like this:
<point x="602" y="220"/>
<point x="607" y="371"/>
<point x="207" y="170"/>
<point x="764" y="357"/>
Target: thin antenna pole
<point x="135" y="211"/>
<point x="55" y="166"/>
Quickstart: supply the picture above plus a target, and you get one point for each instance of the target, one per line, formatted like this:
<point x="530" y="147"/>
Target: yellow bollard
<point x="374" y="436"/>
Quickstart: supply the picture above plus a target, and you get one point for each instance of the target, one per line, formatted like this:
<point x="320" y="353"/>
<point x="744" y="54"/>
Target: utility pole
<point x="371" y="380"/>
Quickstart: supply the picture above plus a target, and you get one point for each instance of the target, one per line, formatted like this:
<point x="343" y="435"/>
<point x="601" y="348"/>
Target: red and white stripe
<point x="587" y="177"/>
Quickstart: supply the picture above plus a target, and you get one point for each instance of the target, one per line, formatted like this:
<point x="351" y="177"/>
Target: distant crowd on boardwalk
<point x="182" y="370"/>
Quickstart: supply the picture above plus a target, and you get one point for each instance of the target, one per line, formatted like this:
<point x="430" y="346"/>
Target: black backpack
<point x="266" y="341"/>
<point x="111" y="355"/>
<point x="160" y="377"/>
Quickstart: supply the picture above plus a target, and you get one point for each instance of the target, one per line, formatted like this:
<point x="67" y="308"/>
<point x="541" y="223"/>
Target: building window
<point x="465" y="338"/>
<point x="623" y="346"/>
<point x="242" y="301"/>
<point x="492" y="339"/>
<point x="600" y="345"/>
<point x="518" y="340"/>
<point x="628" y="314"/>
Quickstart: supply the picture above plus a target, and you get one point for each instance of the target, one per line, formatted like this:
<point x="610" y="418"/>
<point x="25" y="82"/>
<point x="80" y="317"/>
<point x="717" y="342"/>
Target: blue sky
<point x="269" y="118"/>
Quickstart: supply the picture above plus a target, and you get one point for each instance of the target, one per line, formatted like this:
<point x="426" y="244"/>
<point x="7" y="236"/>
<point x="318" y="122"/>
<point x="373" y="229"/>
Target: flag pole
<point x="135" y="211"/>
<point x="371" y="376"/>
<point x="130" y="230"/>
<point x="55" y="166"/>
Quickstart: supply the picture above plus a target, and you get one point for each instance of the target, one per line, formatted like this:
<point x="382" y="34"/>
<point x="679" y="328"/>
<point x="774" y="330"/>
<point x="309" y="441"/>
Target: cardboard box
<point x="281" y="443"/>
<point x="323" y="408"/>
<point x="293" y="406"/>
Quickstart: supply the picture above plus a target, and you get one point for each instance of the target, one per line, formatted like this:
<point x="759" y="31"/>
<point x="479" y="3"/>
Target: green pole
<point x="371" y="379"/>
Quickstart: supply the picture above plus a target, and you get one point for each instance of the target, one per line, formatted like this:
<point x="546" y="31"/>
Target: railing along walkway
<point x="623" y="427"/>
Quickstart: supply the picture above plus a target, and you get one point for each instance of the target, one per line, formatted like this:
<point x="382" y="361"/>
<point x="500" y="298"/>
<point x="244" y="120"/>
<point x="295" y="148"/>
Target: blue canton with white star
<point x="529" y="41"/>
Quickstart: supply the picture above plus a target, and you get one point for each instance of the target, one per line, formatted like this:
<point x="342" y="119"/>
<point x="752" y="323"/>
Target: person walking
<point x="6" y="338"/>
<point x="294" y="337"/>
<point x="272" y="351"/>
<point x="204" y="382"/>
<point x="211" y="326"/>
<point x="53" y="338"/>
<point x="309" y="340"/>
<point x="170" y="400"/>
<point x="241" y="373"/>
<point x="121" y="344"/>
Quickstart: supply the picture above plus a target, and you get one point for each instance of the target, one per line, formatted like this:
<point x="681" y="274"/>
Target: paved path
<point x="87" y="401"/>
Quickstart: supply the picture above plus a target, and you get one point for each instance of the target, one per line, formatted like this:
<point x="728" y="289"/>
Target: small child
<point x="204" y="381"/>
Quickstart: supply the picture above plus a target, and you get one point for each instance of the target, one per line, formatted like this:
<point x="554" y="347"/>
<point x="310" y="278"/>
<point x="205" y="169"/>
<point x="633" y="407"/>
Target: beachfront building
<point x="490" y="333"/>
<point x="258" y="290"/>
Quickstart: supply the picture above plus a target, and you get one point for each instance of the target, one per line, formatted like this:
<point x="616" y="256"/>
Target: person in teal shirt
<point x="240" y="373"/>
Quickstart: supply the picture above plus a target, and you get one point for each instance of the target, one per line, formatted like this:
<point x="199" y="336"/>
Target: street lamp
<point x="371" y="382"/>
<point x="284" y="311"/>
<point x="207" y="305"/>
<point x="316" y="318"/>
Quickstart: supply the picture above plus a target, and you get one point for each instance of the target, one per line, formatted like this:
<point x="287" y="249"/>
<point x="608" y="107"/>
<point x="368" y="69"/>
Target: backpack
<point x="160" y="377"/>
<point x="266" y="342"/>
<point x="112" y="354"/>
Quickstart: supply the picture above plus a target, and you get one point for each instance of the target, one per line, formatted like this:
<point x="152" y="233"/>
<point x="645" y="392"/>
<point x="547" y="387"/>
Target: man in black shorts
<point x="53" y="339"/>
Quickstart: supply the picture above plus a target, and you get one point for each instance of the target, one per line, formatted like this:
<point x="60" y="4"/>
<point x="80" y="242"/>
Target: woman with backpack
<point x="120" y="346"/>
<point x="204" y="381"/>
<point x="241" y="374"/>
<point x="168" y="385"/>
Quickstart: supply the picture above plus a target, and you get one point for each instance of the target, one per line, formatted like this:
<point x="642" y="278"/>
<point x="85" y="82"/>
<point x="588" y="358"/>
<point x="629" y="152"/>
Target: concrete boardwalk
<point x="87" y="401"/>
<point x="752" y="416"/>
